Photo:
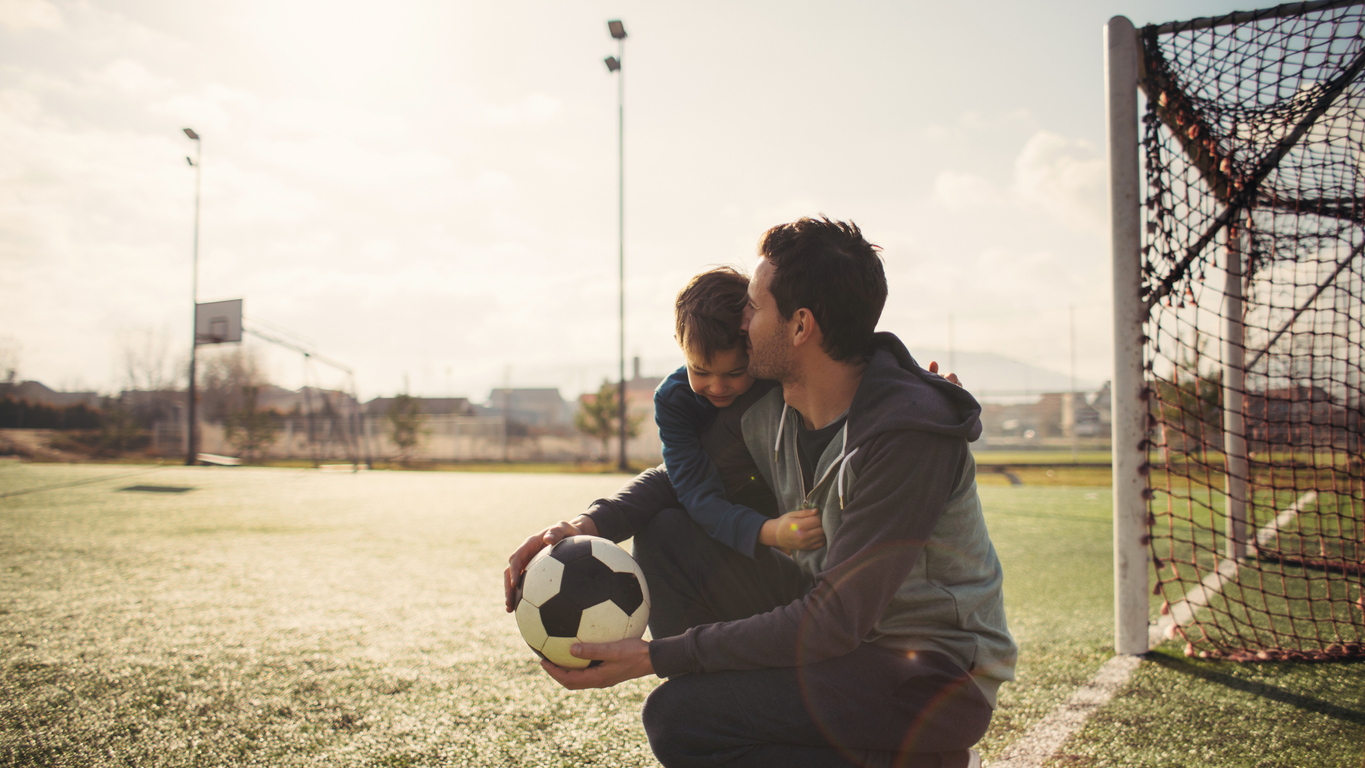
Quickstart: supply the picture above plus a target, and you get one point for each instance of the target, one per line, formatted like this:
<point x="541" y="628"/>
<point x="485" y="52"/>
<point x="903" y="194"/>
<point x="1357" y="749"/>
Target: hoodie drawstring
<point x="839" y="479"/>
<point x="780" y="424"/>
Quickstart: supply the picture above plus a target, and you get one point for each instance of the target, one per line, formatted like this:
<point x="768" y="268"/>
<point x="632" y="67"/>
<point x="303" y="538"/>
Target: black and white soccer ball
<point x="584" y="588"/>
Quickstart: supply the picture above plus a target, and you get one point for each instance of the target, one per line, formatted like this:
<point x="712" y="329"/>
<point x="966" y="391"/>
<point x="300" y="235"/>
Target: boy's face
<point x="720" y="379"/>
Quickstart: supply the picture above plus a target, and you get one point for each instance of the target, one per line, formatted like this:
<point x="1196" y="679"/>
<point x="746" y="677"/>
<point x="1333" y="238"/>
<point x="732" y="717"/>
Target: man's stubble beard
<point x="768" y="360"/>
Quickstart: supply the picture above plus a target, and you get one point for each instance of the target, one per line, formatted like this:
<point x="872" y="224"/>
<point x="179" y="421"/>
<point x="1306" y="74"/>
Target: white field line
<point x="1182" y="613"/>
<point x="1044" y="739"/>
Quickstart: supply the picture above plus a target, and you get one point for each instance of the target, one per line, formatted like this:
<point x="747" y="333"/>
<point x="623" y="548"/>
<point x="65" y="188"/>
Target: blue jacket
<point x="683" y="417"/>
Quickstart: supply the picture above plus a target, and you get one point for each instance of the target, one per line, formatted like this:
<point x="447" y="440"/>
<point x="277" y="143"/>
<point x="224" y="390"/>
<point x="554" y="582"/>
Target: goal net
<point x="1252" y="198"/>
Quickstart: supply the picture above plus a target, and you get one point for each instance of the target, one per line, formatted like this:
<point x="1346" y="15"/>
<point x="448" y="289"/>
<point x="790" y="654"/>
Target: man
<point x="888" y="645"/>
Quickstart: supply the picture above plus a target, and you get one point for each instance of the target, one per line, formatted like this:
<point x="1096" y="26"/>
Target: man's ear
<point x="803" y="327"/>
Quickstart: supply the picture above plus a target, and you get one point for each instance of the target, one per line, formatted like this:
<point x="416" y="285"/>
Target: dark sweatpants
<point x="870" y="707"/>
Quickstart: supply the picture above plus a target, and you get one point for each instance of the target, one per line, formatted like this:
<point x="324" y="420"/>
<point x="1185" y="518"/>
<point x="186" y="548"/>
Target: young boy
<point x="708" y="464"/>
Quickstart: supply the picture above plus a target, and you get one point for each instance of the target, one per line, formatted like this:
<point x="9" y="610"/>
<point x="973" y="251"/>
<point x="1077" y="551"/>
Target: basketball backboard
<point x="218" y="322"/>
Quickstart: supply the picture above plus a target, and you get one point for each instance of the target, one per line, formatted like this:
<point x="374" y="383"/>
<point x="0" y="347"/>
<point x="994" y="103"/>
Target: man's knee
<point x="665" y="717"/>
<point x="661" y="533"/>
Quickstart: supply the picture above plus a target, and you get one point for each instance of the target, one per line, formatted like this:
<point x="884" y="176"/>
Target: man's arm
<point x="904" y="482"/>
<point x="617" y="517"/>
<point x="621" y="514"/>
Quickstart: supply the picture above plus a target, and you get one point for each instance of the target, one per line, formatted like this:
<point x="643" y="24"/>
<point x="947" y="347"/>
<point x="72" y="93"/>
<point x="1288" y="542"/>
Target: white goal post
<point x="1129" y="395"/>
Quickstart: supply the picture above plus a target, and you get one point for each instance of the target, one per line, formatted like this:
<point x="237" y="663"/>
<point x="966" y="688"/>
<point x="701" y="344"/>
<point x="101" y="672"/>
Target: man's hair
<point x="709" y="311"/>
<point x="827" y="267"/>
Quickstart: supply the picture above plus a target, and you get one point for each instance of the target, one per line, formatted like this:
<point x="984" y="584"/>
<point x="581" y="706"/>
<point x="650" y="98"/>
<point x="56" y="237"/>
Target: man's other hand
<point x="622" y="660"/>
<point x="794" y="530"/>
<point x="933" y="368"/>
<point x="579" y="526"/>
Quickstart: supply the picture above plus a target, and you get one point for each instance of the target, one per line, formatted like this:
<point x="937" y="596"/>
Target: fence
<point x="441" y="438"/>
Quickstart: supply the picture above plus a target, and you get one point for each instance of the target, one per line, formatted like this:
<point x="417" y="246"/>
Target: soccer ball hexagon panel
<point x="583" y="589"/>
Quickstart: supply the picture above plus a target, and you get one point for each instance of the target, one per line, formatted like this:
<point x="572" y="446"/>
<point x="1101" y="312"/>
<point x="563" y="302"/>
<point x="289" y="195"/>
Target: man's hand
<point x="933" y="368"/>
<point x="579" y="526"/>
<point x="622" y="660"/>
<point x="794" y="530"/>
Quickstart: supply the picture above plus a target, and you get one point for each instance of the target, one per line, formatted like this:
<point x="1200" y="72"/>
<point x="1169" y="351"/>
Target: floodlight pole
<point x="618" y="31"/>
<point x="192" y="443"/>
<point x="1130" y="396"/>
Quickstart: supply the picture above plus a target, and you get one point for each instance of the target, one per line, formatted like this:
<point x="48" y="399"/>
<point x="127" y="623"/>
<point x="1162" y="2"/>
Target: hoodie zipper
<point x="841" y="461"/>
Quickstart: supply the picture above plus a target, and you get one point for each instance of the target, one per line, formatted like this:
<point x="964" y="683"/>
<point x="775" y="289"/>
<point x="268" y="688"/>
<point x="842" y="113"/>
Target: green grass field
<point x="297" y="617"/>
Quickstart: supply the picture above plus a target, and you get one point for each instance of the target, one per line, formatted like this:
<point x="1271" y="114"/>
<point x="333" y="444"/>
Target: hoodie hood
<point x="896" y="393"/>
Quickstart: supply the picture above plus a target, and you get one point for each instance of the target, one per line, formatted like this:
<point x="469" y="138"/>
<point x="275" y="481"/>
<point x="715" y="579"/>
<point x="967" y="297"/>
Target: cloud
<point x="964" y="192"/>
<point x="29" y="14"/>
<point x="976" y="121"/>
<point x="535" y="108"/>
<point x="132" y="78"/>
<point x="1065" y="178"/>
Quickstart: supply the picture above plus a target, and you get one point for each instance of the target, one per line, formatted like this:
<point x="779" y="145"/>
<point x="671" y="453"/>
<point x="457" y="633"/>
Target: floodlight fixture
<point x="190" y="132"/>
<point x="613" y="63"/>
<point x="618" y="30"/>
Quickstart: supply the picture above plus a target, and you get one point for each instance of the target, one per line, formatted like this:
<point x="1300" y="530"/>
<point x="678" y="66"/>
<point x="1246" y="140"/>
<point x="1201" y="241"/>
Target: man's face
<point x="770" y="350"/>
<point x="720" y="378"/>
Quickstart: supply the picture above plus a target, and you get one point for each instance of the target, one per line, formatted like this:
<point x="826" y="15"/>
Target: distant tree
<point x="118" y="432"/>
<point x="248" y="428"/>
<point x="19" y="414"/>
<point x="405" y="424"/>
<point x="1192" y="405"/>
<point x="599" y="416"/>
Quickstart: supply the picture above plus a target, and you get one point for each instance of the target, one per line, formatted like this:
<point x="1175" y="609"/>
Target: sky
<point x="426" y="192"/>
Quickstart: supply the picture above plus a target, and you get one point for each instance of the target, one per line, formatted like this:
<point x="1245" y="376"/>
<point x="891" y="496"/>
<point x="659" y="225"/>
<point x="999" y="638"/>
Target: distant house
<point x="532" y="407"/>
<point x="1301" y="416"/>
<point x="40" y="394"/>
<point x="1051" y="415"/>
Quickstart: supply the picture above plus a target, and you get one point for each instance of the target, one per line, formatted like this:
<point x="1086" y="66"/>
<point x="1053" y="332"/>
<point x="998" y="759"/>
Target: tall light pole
<point x="192" y="447"/>
<point x="618" y="31"/>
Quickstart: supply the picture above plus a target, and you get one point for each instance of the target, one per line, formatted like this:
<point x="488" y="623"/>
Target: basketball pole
<point x="192" y="442"/>
<point x="1130" y="396"/>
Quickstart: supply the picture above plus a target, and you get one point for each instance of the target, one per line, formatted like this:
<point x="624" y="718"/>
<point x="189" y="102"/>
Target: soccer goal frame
<point x="1129" y="425"/>
<point x="1135" y="294"/>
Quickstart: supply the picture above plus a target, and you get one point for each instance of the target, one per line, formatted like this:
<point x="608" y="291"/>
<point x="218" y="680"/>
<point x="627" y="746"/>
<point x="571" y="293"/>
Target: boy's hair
<point x="709" y="311"/>
<point x="827" y="267"/>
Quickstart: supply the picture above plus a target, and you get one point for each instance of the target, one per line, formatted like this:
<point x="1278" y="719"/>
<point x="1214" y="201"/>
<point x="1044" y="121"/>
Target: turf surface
<point x="296" y="617"/>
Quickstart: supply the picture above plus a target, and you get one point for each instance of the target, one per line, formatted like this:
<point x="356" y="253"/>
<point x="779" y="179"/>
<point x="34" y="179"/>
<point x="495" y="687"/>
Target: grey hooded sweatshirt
<point x="908" y="563"/>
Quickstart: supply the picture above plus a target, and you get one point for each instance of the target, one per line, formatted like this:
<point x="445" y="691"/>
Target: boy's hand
<point x="579" y="526"/>
<point x="933" y="368"/>
<point x="794" y="530"/>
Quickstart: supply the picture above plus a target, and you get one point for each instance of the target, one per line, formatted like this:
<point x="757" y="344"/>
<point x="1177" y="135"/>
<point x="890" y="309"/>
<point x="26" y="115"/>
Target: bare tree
<point x="9" y="360"/>
<point x="148" y="365"/>
<point x="226" y="375"/>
